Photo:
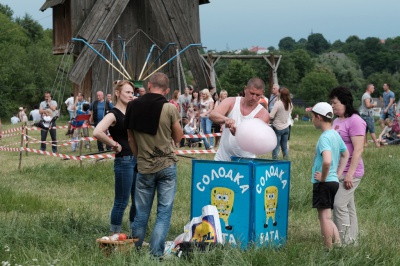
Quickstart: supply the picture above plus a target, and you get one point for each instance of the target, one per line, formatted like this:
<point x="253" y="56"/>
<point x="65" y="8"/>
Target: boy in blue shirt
<point x="329" y="162"/>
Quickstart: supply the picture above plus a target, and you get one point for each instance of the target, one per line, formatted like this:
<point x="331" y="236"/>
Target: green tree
<point x="301" y="43"/>
<point x="288" y="75"/>
<point x="303" y="62"/>
<point x="317" y="44"/>
<point x="346" y="71"/>
<point x="315" y="87"/>
<point x="33" y="29"/>
<point x="6" y="10"/>
<point x="11" y="33"/>
<point x="379" y="78"/>
<point x="337" y="46"/>
<point x="392" y="46"/>
<point x="236" y="76"/>
<point x="27" y="65"/>
<point x="287" y="44"/>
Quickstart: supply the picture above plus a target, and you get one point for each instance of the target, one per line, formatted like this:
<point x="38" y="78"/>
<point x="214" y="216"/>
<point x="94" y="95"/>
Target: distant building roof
<point x="258" y="49"/>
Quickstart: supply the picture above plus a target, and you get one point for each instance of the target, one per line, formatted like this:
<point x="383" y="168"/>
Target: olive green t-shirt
<point x="155" y="152"/>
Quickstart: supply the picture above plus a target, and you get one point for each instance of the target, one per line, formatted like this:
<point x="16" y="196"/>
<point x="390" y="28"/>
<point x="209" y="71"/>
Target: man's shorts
<point x="370" y="123"/>
<point x="389" y="114"/>
<point x="324" y="194"/>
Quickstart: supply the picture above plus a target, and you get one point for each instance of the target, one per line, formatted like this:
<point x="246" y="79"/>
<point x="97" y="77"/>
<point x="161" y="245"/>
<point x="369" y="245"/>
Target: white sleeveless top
<point x="228" y="146"/>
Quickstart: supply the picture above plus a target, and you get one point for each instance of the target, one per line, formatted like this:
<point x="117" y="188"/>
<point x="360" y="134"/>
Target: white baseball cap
<point x="324" y="109"/>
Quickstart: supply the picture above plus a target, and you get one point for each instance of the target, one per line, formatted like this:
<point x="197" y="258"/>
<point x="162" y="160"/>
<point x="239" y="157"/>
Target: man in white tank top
<point x="232" y="111"/>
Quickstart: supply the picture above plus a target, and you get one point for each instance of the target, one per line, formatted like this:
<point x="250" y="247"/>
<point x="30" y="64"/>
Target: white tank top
<point x="228" y="146"/>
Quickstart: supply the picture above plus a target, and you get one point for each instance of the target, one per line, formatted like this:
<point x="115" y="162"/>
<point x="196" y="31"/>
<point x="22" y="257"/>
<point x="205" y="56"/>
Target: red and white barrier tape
<point x="2" y="148"/>
<point x="11" y="135"/>
<point x="56" y="127"/>
<point x="64" y="156"/>
<point x="50" y="153"/>
<point x="11" y="130"/>
<point x="196" y="136"/>
<point x="67" y="142"/>
<point x="195" y="151"/>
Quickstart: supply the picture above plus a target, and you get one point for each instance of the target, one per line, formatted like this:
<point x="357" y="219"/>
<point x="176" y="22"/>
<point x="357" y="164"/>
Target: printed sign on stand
<point x="251" y="196"/>
<point x="227" y="186"/>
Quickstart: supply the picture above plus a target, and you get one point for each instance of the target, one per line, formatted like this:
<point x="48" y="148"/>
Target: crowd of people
<point x="144" y="131"/>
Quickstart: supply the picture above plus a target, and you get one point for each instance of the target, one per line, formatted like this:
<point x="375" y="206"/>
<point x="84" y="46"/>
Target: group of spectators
<point x="143" y="129"/>
<point x="195" y="108"/>
<point x="390" y="130"/>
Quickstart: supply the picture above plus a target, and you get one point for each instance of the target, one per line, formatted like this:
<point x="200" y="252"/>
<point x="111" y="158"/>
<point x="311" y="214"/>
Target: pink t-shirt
<point x="347" y="128"/>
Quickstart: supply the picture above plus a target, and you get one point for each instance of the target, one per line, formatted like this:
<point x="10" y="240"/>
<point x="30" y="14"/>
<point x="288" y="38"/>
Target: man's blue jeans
<point x="282" y="141"/>
<point x="164" y="181"/>
<point x="125" y="177"/>
<point x="43" y="137"/>
<point x="205" y="124"/>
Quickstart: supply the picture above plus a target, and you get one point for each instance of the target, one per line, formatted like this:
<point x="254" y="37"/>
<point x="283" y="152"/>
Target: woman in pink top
<point x="351" y="128"/>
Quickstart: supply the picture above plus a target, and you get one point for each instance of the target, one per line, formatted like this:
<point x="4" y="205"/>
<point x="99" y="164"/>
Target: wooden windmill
<point x="131" y="27"/>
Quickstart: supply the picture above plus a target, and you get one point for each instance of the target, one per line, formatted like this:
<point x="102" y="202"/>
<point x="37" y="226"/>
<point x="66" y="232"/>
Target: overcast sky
<point x="238" y="24"/>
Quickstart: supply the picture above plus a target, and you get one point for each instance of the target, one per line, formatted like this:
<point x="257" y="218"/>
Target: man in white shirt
<point x="70" y="106"/>
<point x="15" y="119"/>
<point x="34" y="114"/>
<point x="232" y="111"/>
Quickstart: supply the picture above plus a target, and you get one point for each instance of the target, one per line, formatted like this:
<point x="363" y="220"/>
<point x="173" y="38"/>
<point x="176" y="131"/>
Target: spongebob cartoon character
<point x="270" y="204"/>
<point x="223" y="199"/>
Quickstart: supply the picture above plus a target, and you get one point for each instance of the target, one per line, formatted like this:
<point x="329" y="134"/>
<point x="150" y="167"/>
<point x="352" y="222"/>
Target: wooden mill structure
<point x="131" y="27"/>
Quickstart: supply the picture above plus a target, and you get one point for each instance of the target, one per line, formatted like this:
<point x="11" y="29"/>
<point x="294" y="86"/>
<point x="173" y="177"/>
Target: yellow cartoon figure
<point x="223" y="198"/>
<point x="271" y="202"/>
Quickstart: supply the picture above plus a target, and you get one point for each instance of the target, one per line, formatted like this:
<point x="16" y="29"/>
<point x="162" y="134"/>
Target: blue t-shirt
<point x="100" y="110"/>
<point x="386" y="99"/>
<point x="331" y="141"/>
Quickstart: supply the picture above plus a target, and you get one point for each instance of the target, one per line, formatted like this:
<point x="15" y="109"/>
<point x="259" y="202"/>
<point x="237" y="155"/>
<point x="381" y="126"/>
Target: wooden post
<point x="22" y="145"/>
<point x="80" y="148"/>
<point x="271" y="70"/>
<point x="27" y="140"/>
<point x="211" y="73"/>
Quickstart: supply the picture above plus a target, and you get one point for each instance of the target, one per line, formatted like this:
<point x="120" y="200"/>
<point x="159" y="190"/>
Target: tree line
<point x="311" y="67"/>
<point x="28" y="67"/>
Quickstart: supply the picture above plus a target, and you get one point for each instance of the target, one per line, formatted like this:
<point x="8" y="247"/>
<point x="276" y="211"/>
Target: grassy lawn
<point x="51" y="211"/>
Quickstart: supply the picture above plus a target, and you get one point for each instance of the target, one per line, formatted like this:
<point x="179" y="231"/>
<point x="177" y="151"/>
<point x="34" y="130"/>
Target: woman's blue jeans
<point x="164" y="181"/>
<point x="281" y="141"/>
<point x="205" y="124"/>
<point x="125" y="177"/>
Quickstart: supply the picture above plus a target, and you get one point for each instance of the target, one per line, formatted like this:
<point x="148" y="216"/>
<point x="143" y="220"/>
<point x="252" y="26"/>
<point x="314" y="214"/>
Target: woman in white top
<point x="280" y="116"/>
<point x="206" y="105"/>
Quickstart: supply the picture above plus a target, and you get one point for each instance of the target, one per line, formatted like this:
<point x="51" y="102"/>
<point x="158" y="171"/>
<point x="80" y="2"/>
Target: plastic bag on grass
<point x="199" y="232"/>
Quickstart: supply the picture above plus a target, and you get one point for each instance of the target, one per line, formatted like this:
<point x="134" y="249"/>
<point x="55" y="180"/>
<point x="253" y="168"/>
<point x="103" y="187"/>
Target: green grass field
<point x="51" y="211"/>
